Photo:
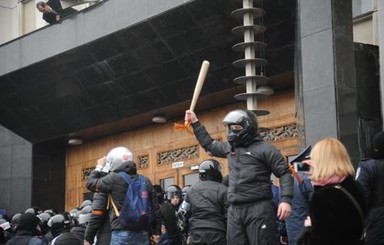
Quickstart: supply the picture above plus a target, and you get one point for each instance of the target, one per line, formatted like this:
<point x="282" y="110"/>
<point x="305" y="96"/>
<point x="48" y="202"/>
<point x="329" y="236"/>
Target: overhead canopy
<point x="144" y="68"/>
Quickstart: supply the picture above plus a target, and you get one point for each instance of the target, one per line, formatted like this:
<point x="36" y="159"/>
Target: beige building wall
<point x="10" y="26"/>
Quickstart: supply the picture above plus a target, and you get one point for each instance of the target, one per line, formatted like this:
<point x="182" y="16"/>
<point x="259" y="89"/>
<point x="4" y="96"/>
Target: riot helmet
<point x="85" y="203"/>
<point x="247" y="120"/>
<point x="84" y="215"/>
<point x="173" y="190"/>
<point x="15" y="221"/>
<point x="117" y="157"/>
<point x="185" y="190"/>
<point x="58" y="224"/>
<point x="210" y="170"/>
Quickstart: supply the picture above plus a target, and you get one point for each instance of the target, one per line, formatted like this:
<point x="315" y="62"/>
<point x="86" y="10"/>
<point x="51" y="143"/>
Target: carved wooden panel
<point x="178" y="154"/>
<point x="85" y="172"/>
<point x="143" y="161"/>
<point x="280" y="133"/>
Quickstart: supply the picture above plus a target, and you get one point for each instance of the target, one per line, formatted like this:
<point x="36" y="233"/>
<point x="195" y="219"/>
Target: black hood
<point x="129" y="167"/>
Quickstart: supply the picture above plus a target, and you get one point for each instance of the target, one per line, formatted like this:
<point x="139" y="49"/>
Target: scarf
<point x="330" y="181"/>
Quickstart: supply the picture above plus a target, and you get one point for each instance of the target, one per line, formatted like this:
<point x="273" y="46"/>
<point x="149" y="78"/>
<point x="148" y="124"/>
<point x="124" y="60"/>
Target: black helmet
<point x="173" y="190"/>
<point x="29" y="221"/>
<point x="378" y="145"/>
<point x="210" y="170"/>
<point x="246" y="119"/>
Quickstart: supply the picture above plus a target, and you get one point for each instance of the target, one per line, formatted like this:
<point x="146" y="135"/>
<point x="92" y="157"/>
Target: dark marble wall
<point x="368" y="96"/>
<point x="326" y="72"/>
<point x="49" y="175"/>
<point x="15" y="172"/>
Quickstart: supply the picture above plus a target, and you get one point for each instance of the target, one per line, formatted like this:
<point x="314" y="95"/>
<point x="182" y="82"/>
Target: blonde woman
<point x="337" y="205"/>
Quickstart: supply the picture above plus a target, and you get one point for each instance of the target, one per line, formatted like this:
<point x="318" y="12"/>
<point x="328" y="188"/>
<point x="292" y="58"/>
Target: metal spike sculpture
<point x="254" y="56"/>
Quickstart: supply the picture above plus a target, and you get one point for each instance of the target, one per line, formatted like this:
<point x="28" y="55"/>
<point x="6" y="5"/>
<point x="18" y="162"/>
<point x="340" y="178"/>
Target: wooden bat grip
<point x="199" y="84"/>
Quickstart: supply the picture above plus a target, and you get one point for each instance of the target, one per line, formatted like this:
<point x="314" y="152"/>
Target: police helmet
<point x="15" y="218"/>
<point x="44" y="217"/>
<point x="33" y="210"/>
<point x="184" y="190"/>
<point x="247" y="120"/>
<point x="84" y="215"/>
<point x="117" y="157"/>
<point x="210" y="170"/>
<point x="58" y="224"/>
<point x="173" y="190"/>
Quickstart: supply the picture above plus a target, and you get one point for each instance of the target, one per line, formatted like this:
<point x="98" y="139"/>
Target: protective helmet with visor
<point x="210" y="170"/>
<point x="116" y="158"/>
<point x="248" y="130"/>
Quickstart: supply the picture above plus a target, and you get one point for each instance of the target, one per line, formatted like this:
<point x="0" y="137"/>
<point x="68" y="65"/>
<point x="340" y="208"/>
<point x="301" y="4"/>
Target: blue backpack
<point x="136" y="212"/>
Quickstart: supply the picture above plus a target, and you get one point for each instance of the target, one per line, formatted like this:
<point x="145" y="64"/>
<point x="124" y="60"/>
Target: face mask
<point x="233" y="136"/>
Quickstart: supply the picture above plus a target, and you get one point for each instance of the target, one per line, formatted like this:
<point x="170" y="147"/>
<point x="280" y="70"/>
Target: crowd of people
<point x="327" y="204"/>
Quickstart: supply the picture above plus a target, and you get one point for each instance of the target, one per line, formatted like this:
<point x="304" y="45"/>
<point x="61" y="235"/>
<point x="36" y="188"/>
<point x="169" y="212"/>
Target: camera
<point x="297" y="161"/>
<point x="301" y="167"/>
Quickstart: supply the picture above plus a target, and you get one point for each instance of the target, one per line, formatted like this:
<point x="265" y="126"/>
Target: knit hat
<point x="378" y="145"/>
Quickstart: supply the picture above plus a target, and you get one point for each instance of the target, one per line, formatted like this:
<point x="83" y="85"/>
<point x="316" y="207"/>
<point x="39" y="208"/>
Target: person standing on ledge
<point x="53" y="11"/>
<point x="251" y="160"/>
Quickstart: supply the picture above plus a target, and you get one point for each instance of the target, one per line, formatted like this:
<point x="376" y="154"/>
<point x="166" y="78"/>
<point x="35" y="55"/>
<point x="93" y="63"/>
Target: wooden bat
<point x="196" y="94"/>
<point x="199" y="84"/>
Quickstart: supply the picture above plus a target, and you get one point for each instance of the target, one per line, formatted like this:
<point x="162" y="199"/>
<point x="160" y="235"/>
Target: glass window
<point x="191" y="179"/>
<point x="164" y="183"/>
<point x="360" y="7"/>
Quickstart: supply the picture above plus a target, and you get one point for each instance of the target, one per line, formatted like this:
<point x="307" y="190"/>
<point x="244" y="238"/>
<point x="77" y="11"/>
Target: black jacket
<point x="335" y="219"/>
<point x="50" y="17"/>
<point x="98" y="223"/>
<point x="208" y="200"/>
<point x="170" y="220"/>
<point x="370" y="175"/>
<point x="23" y="236"/>
<point x="115" y="185"/>
<point x="250" y="168"/>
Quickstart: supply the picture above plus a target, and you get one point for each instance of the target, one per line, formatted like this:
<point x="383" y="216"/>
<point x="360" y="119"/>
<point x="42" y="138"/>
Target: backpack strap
<point x="126" y="177"/>
<point x="355" y="203"/>
<point x="117" y="213"/>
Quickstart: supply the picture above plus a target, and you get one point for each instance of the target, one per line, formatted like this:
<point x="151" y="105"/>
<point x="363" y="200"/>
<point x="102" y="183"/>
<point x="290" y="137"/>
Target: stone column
<point x="15" y="172"/>
<point x="325" y="72"/>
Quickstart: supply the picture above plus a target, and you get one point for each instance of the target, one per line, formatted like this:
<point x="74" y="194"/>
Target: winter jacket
<point x="208" y="200"/>
<point x="370" y="175"/>
<point x="116" y="186"/>
<point x="300" y="207"/>
<point x="250" y="168"/>
<point x="335" y="219"/>
<point x="26" y="237"/>
<point x="98" y="222"/>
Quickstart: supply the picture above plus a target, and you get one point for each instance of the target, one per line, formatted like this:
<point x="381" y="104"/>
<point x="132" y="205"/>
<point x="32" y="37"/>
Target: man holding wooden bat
<point x="251" y="160"/>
